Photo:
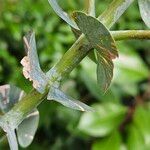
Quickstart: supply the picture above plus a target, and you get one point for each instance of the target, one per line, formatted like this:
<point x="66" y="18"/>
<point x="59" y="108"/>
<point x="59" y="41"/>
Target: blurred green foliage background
<point x="122" y="118"/>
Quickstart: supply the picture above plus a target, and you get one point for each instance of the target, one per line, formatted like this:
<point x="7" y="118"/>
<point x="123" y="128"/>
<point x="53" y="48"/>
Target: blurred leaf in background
<point x="105" y="120"/>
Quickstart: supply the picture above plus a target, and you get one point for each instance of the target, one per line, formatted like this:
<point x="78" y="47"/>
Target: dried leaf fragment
<point x="31" y="66"/>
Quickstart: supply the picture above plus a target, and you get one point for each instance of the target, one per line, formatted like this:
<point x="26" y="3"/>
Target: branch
<point x="114" y="11"/>
<point x="90" y="7"/>
<point x="67" y="63"/>
<point x="131" y="34"/>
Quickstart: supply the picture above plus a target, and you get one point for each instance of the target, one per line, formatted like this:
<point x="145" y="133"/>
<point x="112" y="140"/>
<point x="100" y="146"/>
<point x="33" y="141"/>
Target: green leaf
<point x="58" y="10"/>
<point x="106" y="118"/>
<point x="129" y="69"/>
<point x="135" y="140"/>
<point x="144" y="6"/>
<point x="27" y="129"/>
<point x="101" y="39"/>
<point x="57" y="95"/>
<point x="88" y="76"/>
<point x="31" y="66"/>
<point x="112" y="141"/>
<point x="141" y="120"/>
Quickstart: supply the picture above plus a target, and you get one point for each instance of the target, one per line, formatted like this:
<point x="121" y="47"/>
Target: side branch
<point x="131" y="34"/>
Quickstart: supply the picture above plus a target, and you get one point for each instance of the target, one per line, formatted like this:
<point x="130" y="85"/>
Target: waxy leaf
<point x="31" y="66"/>
<point x="59" y="96"/>
<point x="100" y="39"/>
<point x="27" y="129"/>
<point x="9" y="96"/>
<point x="104" y="70"/>
<point x="11" y="136"/>
<point x="58" y="10"/>
<point x="96" y="33"/>
<point x="141" y="119"/>
<point x="144" y="6"/>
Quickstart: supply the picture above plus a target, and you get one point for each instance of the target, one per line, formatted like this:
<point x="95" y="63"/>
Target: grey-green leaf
<point x="104" y="71"/>
<point x="106" y="118"/>
<point x="96" y="33"/>
<point x="59" y="96"/>
<point x="144" y="6"/>
<point x="59" y="11"/>
<point x="27" y="129"/>
<point x="9" y="95"/>
<point x="135" y="140"/>
<point x="101" y="39"/>
<point x="11" y="136"/>
<point x="31" y="66"/>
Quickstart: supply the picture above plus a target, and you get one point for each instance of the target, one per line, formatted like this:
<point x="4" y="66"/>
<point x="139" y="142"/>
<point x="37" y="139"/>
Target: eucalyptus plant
<point x="19" y="115"/>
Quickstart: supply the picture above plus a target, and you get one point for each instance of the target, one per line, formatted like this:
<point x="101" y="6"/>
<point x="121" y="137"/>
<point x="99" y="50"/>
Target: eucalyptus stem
<point x="17" y="114"/>
<point x="71" y="58"/>
<point x="130" y="34"/>
<point x="114" y="11"/>
<point x="67" y="63"/>
<point x="90" y="7"/>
